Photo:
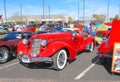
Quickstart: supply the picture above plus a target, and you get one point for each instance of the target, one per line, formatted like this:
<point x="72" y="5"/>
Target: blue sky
<point x="67" y="7"/>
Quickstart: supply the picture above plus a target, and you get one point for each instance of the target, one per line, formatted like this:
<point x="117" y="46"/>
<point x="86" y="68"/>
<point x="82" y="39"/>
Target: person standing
<point x="92" y="29"/>
<point x="10" y="27"/>
<point x="44" y="27"/>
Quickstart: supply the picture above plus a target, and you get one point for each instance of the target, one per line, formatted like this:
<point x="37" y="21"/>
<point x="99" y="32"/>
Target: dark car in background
<point x="9" y="42"/>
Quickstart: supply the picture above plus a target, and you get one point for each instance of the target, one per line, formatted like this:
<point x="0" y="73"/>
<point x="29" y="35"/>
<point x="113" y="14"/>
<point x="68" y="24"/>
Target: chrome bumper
<point x="25" y="59"/>
<point x="104" y="55"/>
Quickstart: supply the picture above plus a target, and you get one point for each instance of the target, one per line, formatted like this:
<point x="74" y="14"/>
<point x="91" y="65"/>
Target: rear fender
<point x="52" y="48"/>
<point x="104" y="47"/>
<point x="7" y="47"/>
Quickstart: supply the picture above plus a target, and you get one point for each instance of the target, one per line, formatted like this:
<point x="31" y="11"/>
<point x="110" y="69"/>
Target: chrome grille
<point x="35" y="47"/>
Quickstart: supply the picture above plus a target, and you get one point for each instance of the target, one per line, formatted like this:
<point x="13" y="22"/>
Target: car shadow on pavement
<point x="41" y="65"/>
<point x="80" y="53"/>
<point x="106" y="65"/>
<point x="72" y="61"/>
<point x="108" y="69"/>
<point x="10" y="60"/>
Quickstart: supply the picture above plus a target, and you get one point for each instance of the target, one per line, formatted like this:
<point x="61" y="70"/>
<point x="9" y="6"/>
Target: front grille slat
<point x="35" y="47"/>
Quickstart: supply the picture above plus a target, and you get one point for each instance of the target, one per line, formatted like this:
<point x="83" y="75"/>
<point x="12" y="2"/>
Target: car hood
<point x="54" y="36"/>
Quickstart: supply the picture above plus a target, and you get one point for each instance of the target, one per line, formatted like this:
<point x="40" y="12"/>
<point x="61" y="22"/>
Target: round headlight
<point x="20" y="52"/>
<point x="25" y="41"/>
<point x="44" y="42"/>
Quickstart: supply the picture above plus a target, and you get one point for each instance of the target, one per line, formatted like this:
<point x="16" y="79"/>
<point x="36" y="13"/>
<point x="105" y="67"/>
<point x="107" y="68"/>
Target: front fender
<point x="52" y="48"/>
<point x="89" y="40"/>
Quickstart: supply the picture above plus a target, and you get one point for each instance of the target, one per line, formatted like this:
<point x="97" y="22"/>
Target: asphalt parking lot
<point x="84" y="68"/>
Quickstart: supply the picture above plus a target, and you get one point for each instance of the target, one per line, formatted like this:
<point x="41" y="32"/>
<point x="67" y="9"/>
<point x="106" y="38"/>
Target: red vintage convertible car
<point x="105" y="49"/>
<point x="56" y="48"/>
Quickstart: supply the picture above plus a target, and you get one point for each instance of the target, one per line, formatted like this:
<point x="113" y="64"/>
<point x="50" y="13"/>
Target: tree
<point x="111" y="18"/>
<point x="95" y="16"/>
<point x="70" y="19"/>
<point x="116" y="17"/>
<point x="99" y="17"/>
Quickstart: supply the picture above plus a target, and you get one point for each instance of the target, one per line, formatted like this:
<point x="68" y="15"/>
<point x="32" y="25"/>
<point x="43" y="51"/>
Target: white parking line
<point x="9" y="65"/>
<point x="85" y="71"/>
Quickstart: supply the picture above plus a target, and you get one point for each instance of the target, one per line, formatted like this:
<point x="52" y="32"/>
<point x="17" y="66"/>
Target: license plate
<point x="25" y="60"/>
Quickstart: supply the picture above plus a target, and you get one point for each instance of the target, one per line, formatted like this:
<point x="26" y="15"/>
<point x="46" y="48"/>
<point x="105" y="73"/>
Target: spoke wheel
<point x="4" y="55"/>
<point x="60" y="60"/>
<point x="91" y="48"/>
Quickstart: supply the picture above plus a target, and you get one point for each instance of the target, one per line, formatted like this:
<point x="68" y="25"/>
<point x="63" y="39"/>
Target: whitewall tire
<point x="60" y="60"/>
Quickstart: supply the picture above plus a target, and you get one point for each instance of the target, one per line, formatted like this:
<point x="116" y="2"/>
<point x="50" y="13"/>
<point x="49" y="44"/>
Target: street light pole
<point x="83" y="11"/>
<point x="119" y="10"/>
<point x="5" y="11"/>
<point x="78" y="12"/>
<point x="43" y="9"/>
<point x="49" y="12"/>
<point x="108" y="12"/>
<point x="21" y="13"/>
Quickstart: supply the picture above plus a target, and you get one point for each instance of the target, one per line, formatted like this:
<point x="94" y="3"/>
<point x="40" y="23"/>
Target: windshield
<point x="70" y="30"/>
<point x="12" y="35"/>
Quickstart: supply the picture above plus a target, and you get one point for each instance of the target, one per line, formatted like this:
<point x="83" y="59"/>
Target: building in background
<point x="26" y="19"/>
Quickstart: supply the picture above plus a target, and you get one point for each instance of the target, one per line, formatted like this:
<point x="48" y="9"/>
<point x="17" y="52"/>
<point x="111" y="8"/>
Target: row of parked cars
<point x="56" y="48"/>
